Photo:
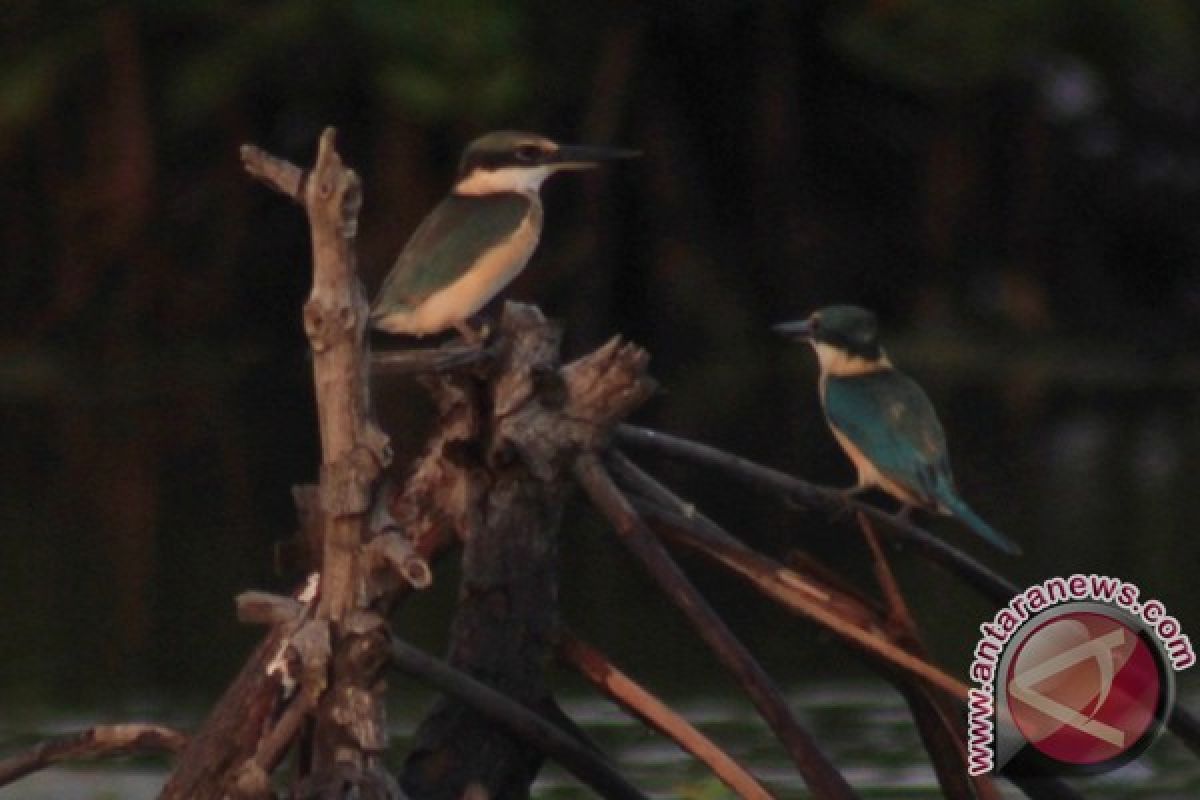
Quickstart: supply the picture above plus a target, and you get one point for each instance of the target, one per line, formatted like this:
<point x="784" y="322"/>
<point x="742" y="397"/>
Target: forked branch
<point x="818" y="772"/>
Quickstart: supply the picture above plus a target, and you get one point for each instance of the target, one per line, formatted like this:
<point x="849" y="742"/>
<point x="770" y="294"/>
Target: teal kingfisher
<point x="882" y="419"/>
<point x="480" y="236"/>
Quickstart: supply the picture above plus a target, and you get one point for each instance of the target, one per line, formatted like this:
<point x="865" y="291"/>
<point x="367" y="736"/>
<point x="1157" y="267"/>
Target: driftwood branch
<point x="914" y="678"/>
<point x="503" y="624"/>
<point x="447" y="358"/>
<point x="519" y="421"/>
<point x="995" y="587"/>
<point x="822" y="778"/>
<point x="829" y="606"/>
<point x="577" y="758"/>
<point x="938" y="722"/>
<point x="230" y="734"/>
<point x="230" y="753"/>
<point x="100" y="741"/>
<point x="628" y="694"/>
<point x="987" y="582"/>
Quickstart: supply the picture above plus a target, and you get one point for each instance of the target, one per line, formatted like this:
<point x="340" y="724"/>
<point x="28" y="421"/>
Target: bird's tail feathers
<point x="958" y="508"/>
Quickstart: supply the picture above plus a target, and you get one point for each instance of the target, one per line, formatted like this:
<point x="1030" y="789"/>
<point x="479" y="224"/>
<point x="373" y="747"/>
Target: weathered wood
<point x="939" y="722"/>
<point x="264" y="608"/>
<point x="836" y="611"/>
<point x="450" y="356"/>
<point x="230" y="734"/>
<point x="354" y="736"/>
<point x="508" y="595"/>
<point x="99" y="741"/>
<point x="505" y="500"/>
<point x="818" y="772"/>
<point x="516" y="720"/>
<point x="629" y="695"/>
<point x="353" y="450"/>
<point x="228" y="754"/>
<point x="979" y="577"/>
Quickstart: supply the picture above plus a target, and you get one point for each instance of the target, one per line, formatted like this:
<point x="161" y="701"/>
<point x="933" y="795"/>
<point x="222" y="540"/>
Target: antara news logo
<point x="1075" y="675"/>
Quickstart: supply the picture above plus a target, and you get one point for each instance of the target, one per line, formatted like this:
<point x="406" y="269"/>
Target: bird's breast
<point x="494" y="269"/>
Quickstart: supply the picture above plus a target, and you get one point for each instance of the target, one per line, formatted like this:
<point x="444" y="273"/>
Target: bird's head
<point x="846" y="338"/>
<point x="510" y="161"/>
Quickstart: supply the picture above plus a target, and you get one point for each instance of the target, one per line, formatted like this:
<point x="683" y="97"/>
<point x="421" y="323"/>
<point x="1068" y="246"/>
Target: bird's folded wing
<point x="890" y="420"/>
<point x="448" y="242"/>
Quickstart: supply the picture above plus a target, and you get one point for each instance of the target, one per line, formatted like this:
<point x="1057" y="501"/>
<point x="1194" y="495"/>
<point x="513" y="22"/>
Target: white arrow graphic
<point x="1101" y="649"/>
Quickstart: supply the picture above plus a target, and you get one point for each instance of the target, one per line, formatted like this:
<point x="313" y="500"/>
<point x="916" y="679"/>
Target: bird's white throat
<point x="505" y="179"/>
<point x="837" y="362"/>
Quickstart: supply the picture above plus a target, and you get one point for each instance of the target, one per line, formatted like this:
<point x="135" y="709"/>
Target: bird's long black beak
<point x="800" y="330"/>
<point x="582" y="156"/>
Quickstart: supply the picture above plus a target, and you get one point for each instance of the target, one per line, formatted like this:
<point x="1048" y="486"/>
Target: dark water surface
<point x="863" y="727"/>
<point x="135" y="505"/>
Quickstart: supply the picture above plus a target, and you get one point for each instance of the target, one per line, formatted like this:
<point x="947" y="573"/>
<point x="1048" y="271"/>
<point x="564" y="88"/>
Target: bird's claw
<point x="848" y="501"/>
<point x="475" y="339"/>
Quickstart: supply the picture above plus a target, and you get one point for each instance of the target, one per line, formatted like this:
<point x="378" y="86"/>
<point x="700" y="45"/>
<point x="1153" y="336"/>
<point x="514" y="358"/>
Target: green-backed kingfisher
<point x="882" y="419"/>
<point x="480" y="236"/>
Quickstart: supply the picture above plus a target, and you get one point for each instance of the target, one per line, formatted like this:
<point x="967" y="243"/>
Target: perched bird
<point x="480" y="236"/>
<point x="882" y="419"/>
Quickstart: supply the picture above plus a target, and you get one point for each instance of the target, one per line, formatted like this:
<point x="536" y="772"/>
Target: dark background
<point x="1013" y="186"/>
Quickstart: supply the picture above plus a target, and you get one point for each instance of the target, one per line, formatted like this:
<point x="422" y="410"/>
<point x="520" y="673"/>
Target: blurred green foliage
<point x="967" y="45"/>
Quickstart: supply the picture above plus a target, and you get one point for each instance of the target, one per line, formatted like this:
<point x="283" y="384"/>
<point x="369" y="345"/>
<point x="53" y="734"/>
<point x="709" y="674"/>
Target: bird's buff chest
<point x="494" y="269"/>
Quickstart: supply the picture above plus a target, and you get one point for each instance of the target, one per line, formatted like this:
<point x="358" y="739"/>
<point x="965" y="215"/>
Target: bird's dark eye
<point x="814" y="324"/>
<point x="528" y="152"/>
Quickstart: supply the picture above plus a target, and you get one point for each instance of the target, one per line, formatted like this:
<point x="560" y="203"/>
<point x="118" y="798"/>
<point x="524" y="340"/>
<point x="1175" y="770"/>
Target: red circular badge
<point x="1085" y="688"/>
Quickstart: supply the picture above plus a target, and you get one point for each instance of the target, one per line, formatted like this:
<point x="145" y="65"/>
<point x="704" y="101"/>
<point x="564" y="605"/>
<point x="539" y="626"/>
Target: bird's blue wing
<point x="448" y="242"/>
<point x="889" y="418"/>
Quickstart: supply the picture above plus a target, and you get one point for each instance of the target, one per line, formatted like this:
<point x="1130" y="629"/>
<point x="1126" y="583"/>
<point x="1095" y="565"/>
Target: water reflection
<point x="864" y="727"/>
<point x="132" y="515"/>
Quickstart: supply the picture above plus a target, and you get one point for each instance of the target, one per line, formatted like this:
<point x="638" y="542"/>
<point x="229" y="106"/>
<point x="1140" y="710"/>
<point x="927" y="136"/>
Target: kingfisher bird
<point x="480" y="236"/>
<point x="882" y="419"/>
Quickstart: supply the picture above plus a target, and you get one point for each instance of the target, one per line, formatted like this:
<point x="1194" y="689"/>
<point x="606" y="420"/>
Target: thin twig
<point x="576" y="758"/>
<point x="795" y="592"/>
<point x="821" y="776"/>
<point x="838" y="611"/>
<point x="899" y="613"/>
<point x="595" y="666"/>
<point x="937" y="721"/>
<point x="95" y="742"/>
<point x="983" y="579"/>
<point x="417" y="361"/>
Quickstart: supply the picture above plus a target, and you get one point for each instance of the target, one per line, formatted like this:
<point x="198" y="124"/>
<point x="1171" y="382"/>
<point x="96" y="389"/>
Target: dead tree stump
<point x="534" y="420"/>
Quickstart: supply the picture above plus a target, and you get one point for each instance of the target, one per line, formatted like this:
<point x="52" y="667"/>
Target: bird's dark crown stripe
<point x="493" y="161"/>
<point x="855" y="347"/>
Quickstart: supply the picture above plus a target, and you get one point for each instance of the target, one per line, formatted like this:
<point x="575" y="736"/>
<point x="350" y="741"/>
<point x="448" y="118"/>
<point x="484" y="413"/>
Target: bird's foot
<point x="848" y="498"/>
<point x="472" y="337"/>
<point x="903" y="514"/>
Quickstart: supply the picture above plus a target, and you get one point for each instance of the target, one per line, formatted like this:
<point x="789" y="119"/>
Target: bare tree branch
<point x="575" y="757"/>
<point x="830" y="609"/>
<point x="822" y="778"/>
<point x="983" y="579"/>
<point x="938" y="722"/>
<point x="448" y="357"/>
<point x="988" y="583"/>
<point x="100" y="741"/>
<point x="628" y="694"/>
